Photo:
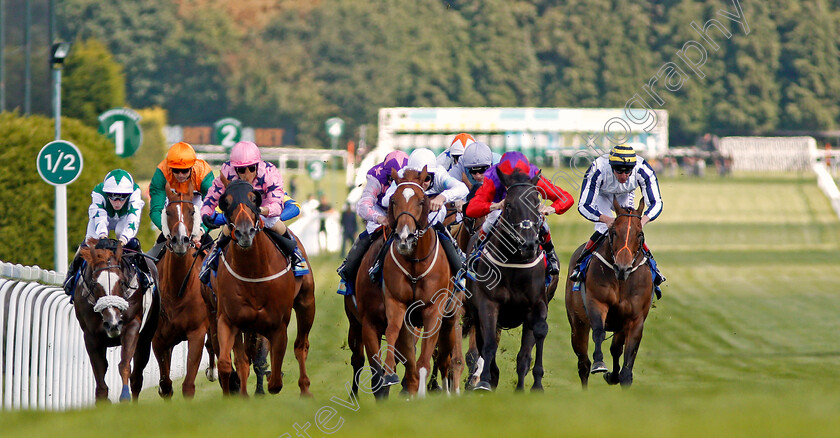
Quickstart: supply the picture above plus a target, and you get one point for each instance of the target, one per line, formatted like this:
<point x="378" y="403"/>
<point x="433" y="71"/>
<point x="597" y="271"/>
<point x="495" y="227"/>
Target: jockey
<point x="489" y="200"/>
<point x="616" y="175"/>
<point x="116" y="205"/>
<point x="181" y="170"/>
<point x="440" y="188"/>
<point x="247" y="164"/>
<point x="453" y="153"/>
<point x="370" y="209"/>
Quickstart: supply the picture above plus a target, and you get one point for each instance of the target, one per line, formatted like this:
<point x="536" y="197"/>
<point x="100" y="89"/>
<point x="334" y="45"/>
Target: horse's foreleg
<point x="371" y="340"/>
<point x="258" y="350"/>
<point x="631" y="348"/>
<point x="523" y="358"/>
<point x="243" y="365"/>
<point x="211" y="372"/>
<point x="163" y="354"/>
<point x="354" y="341"/>
<point x="432" y="321"/>
<point x="540" y="330"/>
<point x="488" y="314"/>
<point x="278" y="350"/>
<point x="99" y="364"/>
<point x="128" y="347"/>
<point x="226" y="337"/>
<point x="395" y="312"/>
<point x="195" y="346"/>
<point x="305" y="314"/>
<point x="406" y="347"/>
<point x="616" y="348"/>
<point x="597" y="313"/>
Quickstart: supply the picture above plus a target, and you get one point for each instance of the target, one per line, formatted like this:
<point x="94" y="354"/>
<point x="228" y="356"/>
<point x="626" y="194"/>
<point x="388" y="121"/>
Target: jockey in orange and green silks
<point x="185" y="174"/>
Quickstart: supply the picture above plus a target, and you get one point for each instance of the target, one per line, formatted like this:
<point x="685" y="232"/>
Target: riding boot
<point x="144" y="274"/>
<point x="72" y="275"/>
<point x="454" y="255"/>
<point x="347" y="270"/>
<point x="553" y="265"/>
<point x="587" y="250"/>
<point x="157" y="250"/>
<point x="298" y="260"/>
<point x="211" y="263"/>
<point x="658" y="278"/>
<point x="376" y="269"/>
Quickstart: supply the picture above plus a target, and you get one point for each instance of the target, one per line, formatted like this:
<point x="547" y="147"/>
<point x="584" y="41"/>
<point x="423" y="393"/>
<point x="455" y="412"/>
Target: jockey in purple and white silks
<point x="370" y="209"/>
<point x="617" y="175"/>
<point x="440" y="188"/>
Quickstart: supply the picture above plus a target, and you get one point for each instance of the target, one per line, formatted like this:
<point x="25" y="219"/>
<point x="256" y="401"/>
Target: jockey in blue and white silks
<point x="617" y="175"/>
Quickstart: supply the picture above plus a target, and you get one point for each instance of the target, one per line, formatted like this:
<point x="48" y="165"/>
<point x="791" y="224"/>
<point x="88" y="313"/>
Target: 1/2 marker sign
<point x="60" y="162"/>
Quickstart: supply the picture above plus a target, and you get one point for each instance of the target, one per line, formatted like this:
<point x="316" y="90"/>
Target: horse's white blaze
<point x="407" y="193"/>
<point x="421" y="391"/>
<point x="182" y="229"/>
<point x="404" y="232"/>
<point x="108" y="279"/>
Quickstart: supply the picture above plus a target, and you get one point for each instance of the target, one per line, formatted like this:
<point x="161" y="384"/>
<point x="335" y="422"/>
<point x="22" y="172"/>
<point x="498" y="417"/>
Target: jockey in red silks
<point x="246" y="164"/>
<point x="489" y="200"/>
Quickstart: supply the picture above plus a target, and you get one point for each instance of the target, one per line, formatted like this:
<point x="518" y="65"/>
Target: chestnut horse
<point x="417" y="284"/>
<point x="184" y="316"/>
<point x="112" y="311"/>
<point x="615" y="297"/>
<point x="255" y="291"/>
<point x="510" y="289"/>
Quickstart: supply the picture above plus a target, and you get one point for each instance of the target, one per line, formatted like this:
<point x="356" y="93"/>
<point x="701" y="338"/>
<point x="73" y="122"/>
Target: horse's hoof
<point x="259" y="391"/>
<point x="536" y="388"/>
<point x="608" y="377"/>
<point x="212" y="374"/>
<point x="391" y="379"/>
<point x="598" y="367"/>
<point x="166" y="395"/>
<point x="483" y="386"/>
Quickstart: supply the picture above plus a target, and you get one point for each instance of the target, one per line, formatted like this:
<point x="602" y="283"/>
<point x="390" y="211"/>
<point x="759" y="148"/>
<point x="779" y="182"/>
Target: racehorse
<point x="113" y="311"/>
<point x="510" y="289"/>
<point x="616" y="297"/>
<point x="256" y="291"/>
<point x="184" y="316"/>
<point x="417" y="284"/>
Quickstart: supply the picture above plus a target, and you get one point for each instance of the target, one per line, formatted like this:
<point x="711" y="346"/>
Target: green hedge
<point x="28" y="203"/>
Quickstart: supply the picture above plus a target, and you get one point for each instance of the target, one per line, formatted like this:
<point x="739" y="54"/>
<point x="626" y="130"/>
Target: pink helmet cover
<point x="244" y="153"/>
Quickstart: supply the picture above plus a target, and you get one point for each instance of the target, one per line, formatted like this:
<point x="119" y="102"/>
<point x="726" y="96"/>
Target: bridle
<point x="106" y="300"/>
<point x="259" y="224"/>
<point x="418" y="230"/>
<point x="179" y="221"/>
<point x="526" y="224"/>
<point x="625" y="247"/>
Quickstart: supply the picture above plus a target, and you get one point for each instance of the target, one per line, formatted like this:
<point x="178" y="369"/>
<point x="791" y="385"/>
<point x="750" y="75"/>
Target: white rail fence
<point x="43" y="361"/>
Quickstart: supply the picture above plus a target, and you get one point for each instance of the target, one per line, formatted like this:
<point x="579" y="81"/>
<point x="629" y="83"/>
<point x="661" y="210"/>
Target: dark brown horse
<point x="184" y="316"/>
<point x="256" y="291"/>
<point x="510" y="289"/>
<point x="616" y="297"/>
<point x="417" y="283"/>
<point x="113" y="311"/>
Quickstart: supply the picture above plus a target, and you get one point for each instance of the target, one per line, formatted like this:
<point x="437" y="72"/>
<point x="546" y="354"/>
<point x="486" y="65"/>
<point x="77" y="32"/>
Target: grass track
<point x="741" y="345"/>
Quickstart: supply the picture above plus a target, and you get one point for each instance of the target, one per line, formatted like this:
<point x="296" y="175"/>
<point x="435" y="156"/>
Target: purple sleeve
<point x="366" y="205"/>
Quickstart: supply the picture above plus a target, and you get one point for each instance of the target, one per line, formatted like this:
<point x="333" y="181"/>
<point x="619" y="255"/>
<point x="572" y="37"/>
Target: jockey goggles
<point x="478" y="170"/>
<point x="251" y="168"/>
<point x="622" y="169"/>
<point x="118" y="196"/>
<point x="181" y="171"/>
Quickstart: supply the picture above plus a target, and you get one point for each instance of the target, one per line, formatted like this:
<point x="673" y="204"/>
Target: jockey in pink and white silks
<point x="246" y="164"/>
<point x="370" y="209"/>
<point x="617" y="175"/>
<point x="440" y="188"/>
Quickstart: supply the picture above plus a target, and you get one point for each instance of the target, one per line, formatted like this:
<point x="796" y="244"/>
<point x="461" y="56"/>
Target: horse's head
<point x="179" y="221"/>
<point x="105" y="282"/>
<point x="241" y="206"/>
<point x="626" y="238"/>
<point x="521" y="216"/>
<point x="408" y="210"/>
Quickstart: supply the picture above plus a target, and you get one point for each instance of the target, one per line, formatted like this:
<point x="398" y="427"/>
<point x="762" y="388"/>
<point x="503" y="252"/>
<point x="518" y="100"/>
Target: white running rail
<point x="43" y="361"/>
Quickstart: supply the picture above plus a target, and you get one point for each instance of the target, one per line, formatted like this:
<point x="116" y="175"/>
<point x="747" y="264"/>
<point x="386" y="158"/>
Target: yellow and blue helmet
<point x="622" y="157"/>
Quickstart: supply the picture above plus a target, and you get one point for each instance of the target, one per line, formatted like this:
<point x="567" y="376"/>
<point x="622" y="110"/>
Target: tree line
<point x="766" y="66"/>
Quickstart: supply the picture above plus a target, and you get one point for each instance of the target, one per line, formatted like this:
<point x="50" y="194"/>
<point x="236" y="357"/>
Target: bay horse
<point x="112" y="311"/>
<point x="417" y="285"/>
<point x="256" y="291"/>
<point x="510" y="289"/>
<point x="615" y="297"/>
<point x="184" y="316"/>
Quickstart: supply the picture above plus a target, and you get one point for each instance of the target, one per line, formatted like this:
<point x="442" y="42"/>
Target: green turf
<point x="741" y="345"/>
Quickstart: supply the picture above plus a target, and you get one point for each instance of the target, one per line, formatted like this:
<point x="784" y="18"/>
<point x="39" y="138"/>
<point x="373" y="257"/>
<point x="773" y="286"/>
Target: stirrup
<point x="300" y="266"/>
<point x="575" y="275"/>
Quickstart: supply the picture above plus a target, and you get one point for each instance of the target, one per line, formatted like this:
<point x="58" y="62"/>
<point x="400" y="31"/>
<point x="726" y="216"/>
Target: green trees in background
<point x="294" y="63"/>
<point x="92" y="82"/>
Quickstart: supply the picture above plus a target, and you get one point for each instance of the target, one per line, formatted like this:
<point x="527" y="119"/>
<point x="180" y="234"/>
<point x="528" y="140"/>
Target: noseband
<point x="612" y="248"/>
<point x="259" y="224"/>
<point x="180" y="221"/>
<point x="418" y="230"/>
<point x="526" y="224"/>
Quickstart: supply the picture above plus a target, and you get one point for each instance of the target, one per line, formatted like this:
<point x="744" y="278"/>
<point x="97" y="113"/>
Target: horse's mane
<point x="93" y="258"/>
